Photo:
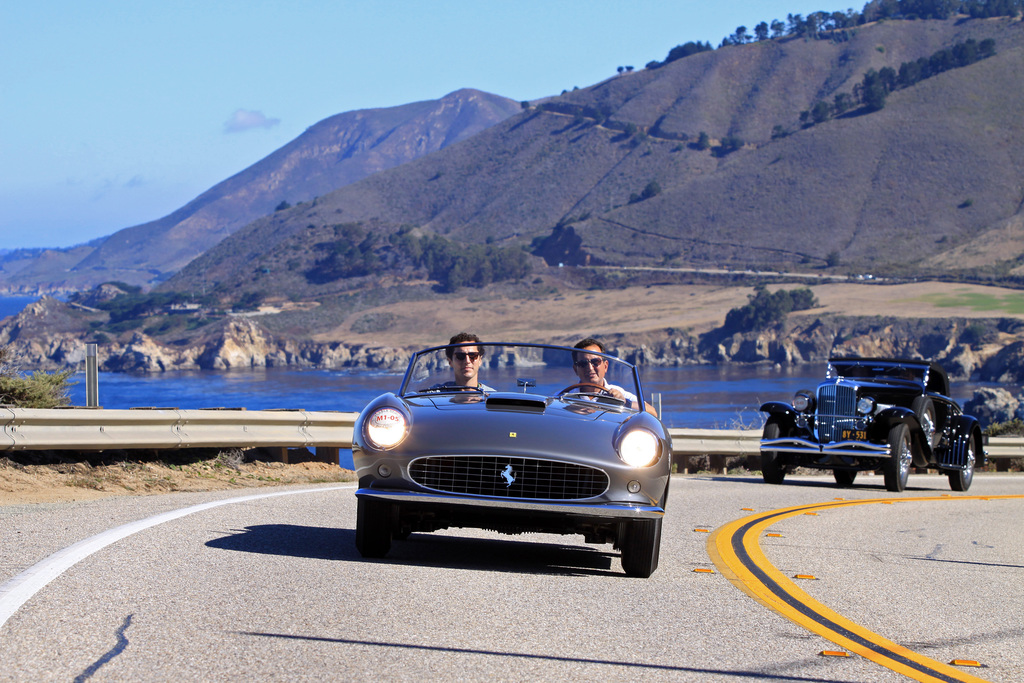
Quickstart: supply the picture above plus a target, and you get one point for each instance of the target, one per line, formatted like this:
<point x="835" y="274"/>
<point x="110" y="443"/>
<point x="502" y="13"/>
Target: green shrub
<point x="1014" y="427"/>
<point x="38" y="390"/>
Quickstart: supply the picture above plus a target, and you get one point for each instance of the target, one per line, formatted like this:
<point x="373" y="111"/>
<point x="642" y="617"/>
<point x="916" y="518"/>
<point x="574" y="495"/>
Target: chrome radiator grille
<point x="508" y="477"/>
<point x="837" y="405"/>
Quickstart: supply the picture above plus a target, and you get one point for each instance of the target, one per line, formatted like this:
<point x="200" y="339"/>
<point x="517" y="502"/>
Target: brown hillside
<point x="893" y="190"/>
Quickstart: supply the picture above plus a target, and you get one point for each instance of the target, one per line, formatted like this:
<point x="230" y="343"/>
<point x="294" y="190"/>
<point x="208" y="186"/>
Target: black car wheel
<point x="373" y="527"/>
<point x="844" y="477"/>
<point x="772" y="469"/>
<point x="924" y="409"/>
<point x="960" y="480"/>
<point x="640" y="545"/>
<point x="897" y="468"/>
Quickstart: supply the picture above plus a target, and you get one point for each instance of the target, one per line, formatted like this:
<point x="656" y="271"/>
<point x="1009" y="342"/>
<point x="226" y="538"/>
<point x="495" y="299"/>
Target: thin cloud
<point x="243" y="120"/>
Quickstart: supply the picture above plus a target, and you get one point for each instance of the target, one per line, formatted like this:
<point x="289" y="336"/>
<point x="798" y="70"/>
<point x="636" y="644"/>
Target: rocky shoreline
<point x="979" y="349"/>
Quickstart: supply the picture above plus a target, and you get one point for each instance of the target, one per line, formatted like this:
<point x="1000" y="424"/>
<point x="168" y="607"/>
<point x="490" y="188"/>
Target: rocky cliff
<point x="46" y="336"/>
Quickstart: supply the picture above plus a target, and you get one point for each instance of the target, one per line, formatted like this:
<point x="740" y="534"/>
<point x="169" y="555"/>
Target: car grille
<point x="836" y="411"/>
<point x="531" y="478"/>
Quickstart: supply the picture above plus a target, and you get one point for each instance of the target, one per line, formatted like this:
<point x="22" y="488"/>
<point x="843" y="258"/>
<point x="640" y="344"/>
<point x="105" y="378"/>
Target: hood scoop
<point x="516" y="402"/>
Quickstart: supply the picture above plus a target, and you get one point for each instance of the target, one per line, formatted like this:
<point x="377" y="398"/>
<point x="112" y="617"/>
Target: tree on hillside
<point x="821" y="111"/>
<point x="730" y="143"/>
<point x="685" y="50"/>
<point x="766" y="308"/>
<point x="872" y="91"/>
<point x="652" y="189"/>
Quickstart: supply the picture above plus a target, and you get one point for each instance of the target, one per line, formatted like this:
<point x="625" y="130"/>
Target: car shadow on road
<point x="500" y="555"/>
<point x="824" y="483"/>
<point x="290" y="540"/>
<point x="426" y="550"/>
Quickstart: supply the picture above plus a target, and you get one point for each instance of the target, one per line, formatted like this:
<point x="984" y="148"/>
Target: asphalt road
<point x="271" y="588"/>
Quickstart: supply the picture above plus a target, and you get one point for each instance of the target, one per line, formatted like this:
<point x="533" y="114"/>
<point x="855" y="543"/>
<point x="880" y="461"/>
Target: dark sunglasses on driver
<point x="463" y="355"/>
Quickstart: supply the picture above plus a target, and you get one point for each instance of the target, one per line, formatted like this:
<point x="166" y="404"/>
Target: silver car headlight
<point x="803" y="402"/>
<point x="639" y="448"/>
<point x="866" y="406"/>
<point x="386" y="427"/>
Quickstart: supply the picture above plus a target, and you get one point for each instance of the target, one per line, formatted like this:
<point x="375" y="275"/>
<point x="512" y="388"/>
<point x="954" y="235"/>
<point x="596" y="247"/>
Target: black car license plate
<point x="855" y="435"/>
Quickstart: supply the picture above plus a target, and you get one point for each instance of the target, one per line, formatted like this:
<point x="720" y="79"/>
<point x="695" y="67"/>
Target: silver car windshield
<point x="548" y="371"/>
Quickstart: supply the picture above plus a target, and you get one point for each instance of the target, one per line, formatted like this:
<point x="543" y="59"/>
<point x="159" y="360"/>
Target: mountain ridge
<point x="338" y="150"/>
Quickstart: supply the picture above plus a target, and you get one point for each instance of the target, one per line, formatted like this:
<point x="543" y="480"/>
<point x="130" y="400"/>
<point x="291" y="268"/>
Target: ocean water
<point x="698" y="397"/>
<point x="704" y="397"/>
<point x="11" y="305"/>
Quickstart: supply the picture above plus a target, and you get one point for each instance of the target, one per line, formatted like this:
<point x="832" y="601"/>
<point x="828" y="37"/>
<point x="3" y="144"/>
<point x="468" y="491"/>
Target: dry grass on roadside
<point x="24" y="481"/>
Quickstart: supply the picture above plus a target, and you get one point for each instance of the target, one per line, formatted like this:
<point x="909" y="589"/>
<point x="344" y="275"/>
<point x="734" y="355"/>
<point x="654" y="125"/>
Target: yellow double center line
<point x="735" y="550"/>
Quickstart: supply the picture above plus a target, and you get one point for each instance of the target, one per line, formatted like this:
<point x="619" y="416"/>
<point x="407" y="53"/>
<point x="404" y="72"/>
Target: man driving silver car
<point x="591" y="369"/>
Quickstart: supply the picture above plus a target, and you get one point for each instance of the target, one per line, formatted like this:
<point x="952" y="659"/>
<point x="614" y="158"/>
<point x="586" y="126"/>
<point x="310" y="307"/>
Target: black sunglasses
<point x="463" y="355"/>
<point x="596" y="362"/>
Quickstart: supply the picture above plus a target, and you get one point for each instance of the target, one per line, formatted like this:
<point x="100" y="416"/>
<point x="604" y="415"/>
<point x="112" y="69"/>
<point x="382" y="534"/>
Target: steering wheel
<point x="588" y="385"/>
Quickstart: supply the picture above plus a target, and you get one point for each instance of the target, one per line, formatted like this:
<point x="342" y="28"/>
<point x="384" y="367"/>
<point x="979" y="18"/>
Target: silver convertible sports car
<point x="514" y="438"/>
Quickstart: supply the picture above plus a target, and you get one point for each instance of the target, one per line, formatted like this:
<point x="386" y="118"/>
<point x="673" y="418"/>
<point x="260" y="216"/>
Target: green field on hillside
<point x="979" y="301"/>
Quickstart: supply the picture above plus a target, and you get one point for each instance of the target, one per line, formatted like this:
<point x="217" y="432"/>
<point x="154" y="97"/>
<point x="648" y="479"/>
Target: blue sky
<point x="117" y="112"/>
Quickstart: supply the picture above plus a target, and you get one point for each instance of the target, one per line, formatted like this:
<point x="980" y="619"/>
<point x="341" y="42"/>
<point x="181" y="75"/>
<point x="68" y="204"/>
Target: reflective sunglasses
<point x="463" y="355"/>
<point x="596" y="362"/>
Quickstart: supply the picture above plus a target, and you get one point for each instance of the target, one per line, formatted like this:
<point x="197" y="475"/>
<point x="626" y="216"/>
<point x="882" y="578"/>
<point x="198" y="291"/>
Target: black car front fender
<point x="783" y="413"/>
<point x="890" y="417"/>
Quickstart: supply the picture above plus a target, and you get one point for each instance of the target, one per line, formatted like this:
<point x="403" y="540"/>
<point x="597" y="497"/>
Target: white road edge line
<point x="17" y="591"/>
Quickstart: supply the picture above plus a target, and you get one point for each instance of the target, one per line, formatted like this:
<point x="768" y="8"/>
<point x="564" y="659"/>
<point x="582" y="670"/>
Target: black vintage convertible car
<point x="873" y="414"/>
<point x="534" y="438"/>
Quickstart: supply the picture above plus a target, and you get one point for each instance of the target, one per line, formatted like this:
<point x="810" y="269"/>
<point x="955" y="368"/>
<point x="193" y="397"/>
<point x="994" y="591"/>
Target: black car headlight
<point x="865" y="406"/>
<point x="385" y="428"/>
<point x="639" y="448"/>
<point x="803" y="402"/>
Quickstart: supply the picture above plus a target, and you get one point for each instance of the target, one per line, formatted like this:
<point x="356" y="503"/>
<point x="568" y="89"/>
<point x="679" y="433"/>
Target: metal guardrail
<point x="716" y="441"/>
<point x="170" y="428"/>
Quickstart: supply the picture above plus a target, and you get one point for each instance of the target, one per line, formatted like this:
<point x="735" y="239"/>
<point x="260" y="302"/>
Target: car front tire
<point x="901" y="455"/>
<point x="772" y="469"/>
<point x="924" y="409"/>
<point x="640" y="546"/>
<point x="373" y="527"/>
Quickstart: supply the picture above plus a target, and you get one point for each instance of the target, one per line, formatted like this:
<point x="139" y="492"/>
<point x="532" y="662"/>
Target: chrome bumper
<point x="848" y="448"/>
<point x="609" y="510"/>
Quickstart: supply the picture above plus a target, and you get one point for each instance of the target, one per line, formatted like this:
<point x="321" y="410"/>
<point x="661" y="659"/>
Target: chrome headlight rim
<point x="865" y="405"/>
<point x="385" y="428"/>
<point x="639" y="448"/>
<point x="803" y="401"/>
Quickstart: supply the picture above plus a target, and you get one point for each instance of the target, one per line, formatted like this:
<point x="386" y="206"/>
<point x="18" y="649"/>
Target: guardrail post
<point x="92" y="380"/>
<point x="280" y="454"/>
<point x="327" y="454"/>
